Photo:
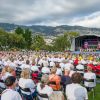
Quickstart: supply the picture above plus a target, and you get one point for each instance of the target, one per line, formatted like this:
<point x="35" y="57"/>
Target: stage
<point x="86" y="43"/>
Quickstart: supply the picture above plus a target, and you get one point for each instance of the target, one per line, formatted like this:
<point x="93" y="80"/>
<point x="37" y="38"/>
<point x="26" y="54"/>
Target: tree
<point x="3" y="38"/>
<point x="71" y="35"/>
<point x="38" y="43"/>
<point x="61" y="43"/>
<point x="19" y="30"/>
<point x="64" y="41"/>
<point x="49" y="47"/>
<point x="27" y="35"/>
<point x="16" y="40"/>
<point x="28" y="38"/>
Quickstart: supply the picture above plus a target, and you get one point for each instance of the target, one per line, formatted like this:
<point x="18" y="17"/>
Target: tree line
<point x="24" y="39"/>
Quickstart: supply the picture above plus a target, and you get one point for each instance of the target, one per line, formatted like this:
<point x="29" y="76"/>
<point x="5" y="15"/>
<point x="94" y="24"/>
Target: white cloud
<point x="92" y="20"/>
<point x="50" y="12"/>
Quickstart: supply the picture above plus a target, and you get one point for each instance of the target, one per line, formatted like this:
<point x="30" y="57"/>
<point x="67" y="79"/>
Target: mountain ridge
<point x="50" y="30"/>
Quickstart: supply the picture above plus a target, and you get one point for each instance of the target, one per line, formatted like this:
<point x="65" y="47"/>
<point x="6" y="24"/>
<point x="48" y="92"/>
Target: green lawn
<point x="97" y="93"/>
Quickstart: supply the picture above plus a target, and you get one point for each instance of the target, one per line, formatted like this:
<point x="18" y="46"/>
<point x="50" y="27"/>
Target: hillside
<point x="49" y="30"/>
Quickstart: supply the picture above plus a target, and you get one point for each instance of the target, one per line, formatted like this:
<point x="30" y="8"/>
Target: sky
<point x="51" y="12"/>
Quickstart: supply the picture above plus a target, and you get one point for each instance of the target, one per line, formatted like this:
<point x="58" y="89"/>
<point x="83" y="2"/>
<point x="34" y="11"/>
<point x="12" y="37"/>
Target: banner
<point x="85" y="45"/>
<point x="98" y="45"/>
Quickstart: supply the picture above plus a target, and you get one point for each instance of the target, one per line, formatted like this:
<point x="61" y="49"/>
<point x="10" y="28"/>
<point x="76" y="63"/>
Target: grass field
<point x="97" y="93"/>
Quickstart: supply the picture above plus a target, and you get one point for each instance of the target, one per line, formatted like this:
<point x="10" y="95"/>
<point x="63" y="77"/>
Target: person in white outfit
<point x="80" y="68"/>
<point x="26" y="83"/>
<point x="10" y="93"/>
<point x="59" y="70"/>
<point x="45" y="70"/>
<point x="75" y="91"/>
<point x="89" y="79"/>
<point x="43" y="88"/>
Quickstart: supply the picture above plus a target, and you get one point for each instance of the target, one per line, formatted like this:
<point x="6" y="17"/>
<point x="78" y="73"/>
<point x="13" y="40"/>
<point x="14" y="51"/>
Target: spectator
<point x="5" y="73"/>
<point x="43" y="88"/>
<point x="75" y="91"/>
<point x="26" y="83"/>
<point x="35" y="74"/>
<point x="12" y="71"/>
<point x="53" y="78"/>
<point x="65" y="79"/>
<point x="10" y="93"/>
<point x="88" y="77"/>
<point x="59" y="70"/>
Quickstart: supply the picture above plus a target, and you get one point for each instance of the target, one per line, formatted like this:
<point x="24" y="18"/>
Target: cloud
<point x="49" y="12"/>
<point x="92" y="20"/>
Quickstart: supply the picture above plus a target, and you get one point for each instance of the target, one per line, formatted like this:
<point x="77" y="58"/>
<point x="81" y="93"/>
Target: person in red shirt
<point x="76" y="62"/>
<point x="35" y="73"/>
<point x="91" y="65"/>
<point x="98" y="69"/>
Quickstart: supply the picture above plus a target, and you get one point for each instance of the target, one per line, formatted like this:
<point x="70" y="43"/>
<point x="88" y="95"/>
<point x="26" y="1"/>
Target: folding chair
<point x="18" y="72"/>
<point x="97" y="71"/>
<point x="2" y="89"/>
<point x="58" y="92"/>
<point x="81" y="71"/>
<point x="52" y="83"/>
<point x="42" y="96"/>
<point x="90" y="88"/>
<point x="25" y="96"/>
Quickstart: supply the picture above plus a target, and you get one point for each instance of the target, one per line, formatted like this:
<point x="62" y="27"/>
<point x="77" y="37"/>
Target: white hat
<point x="34" y="68"/>
<point x="80" y="67"/>
<point x="52" y="64"/>
<point x="45" y="70"/>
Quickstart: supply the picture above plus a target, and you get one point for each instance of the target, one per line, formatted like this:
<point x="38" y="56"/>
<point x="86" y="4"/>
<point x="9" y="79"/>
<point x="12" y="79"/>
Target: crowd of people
<point x="89" y="50"/>
<point x="47" y="76"/>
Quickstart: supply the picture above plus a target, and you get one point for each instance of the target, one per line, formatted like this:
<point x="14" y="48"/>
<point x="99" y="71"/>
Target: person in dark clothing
<point x="65" y="79"/>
